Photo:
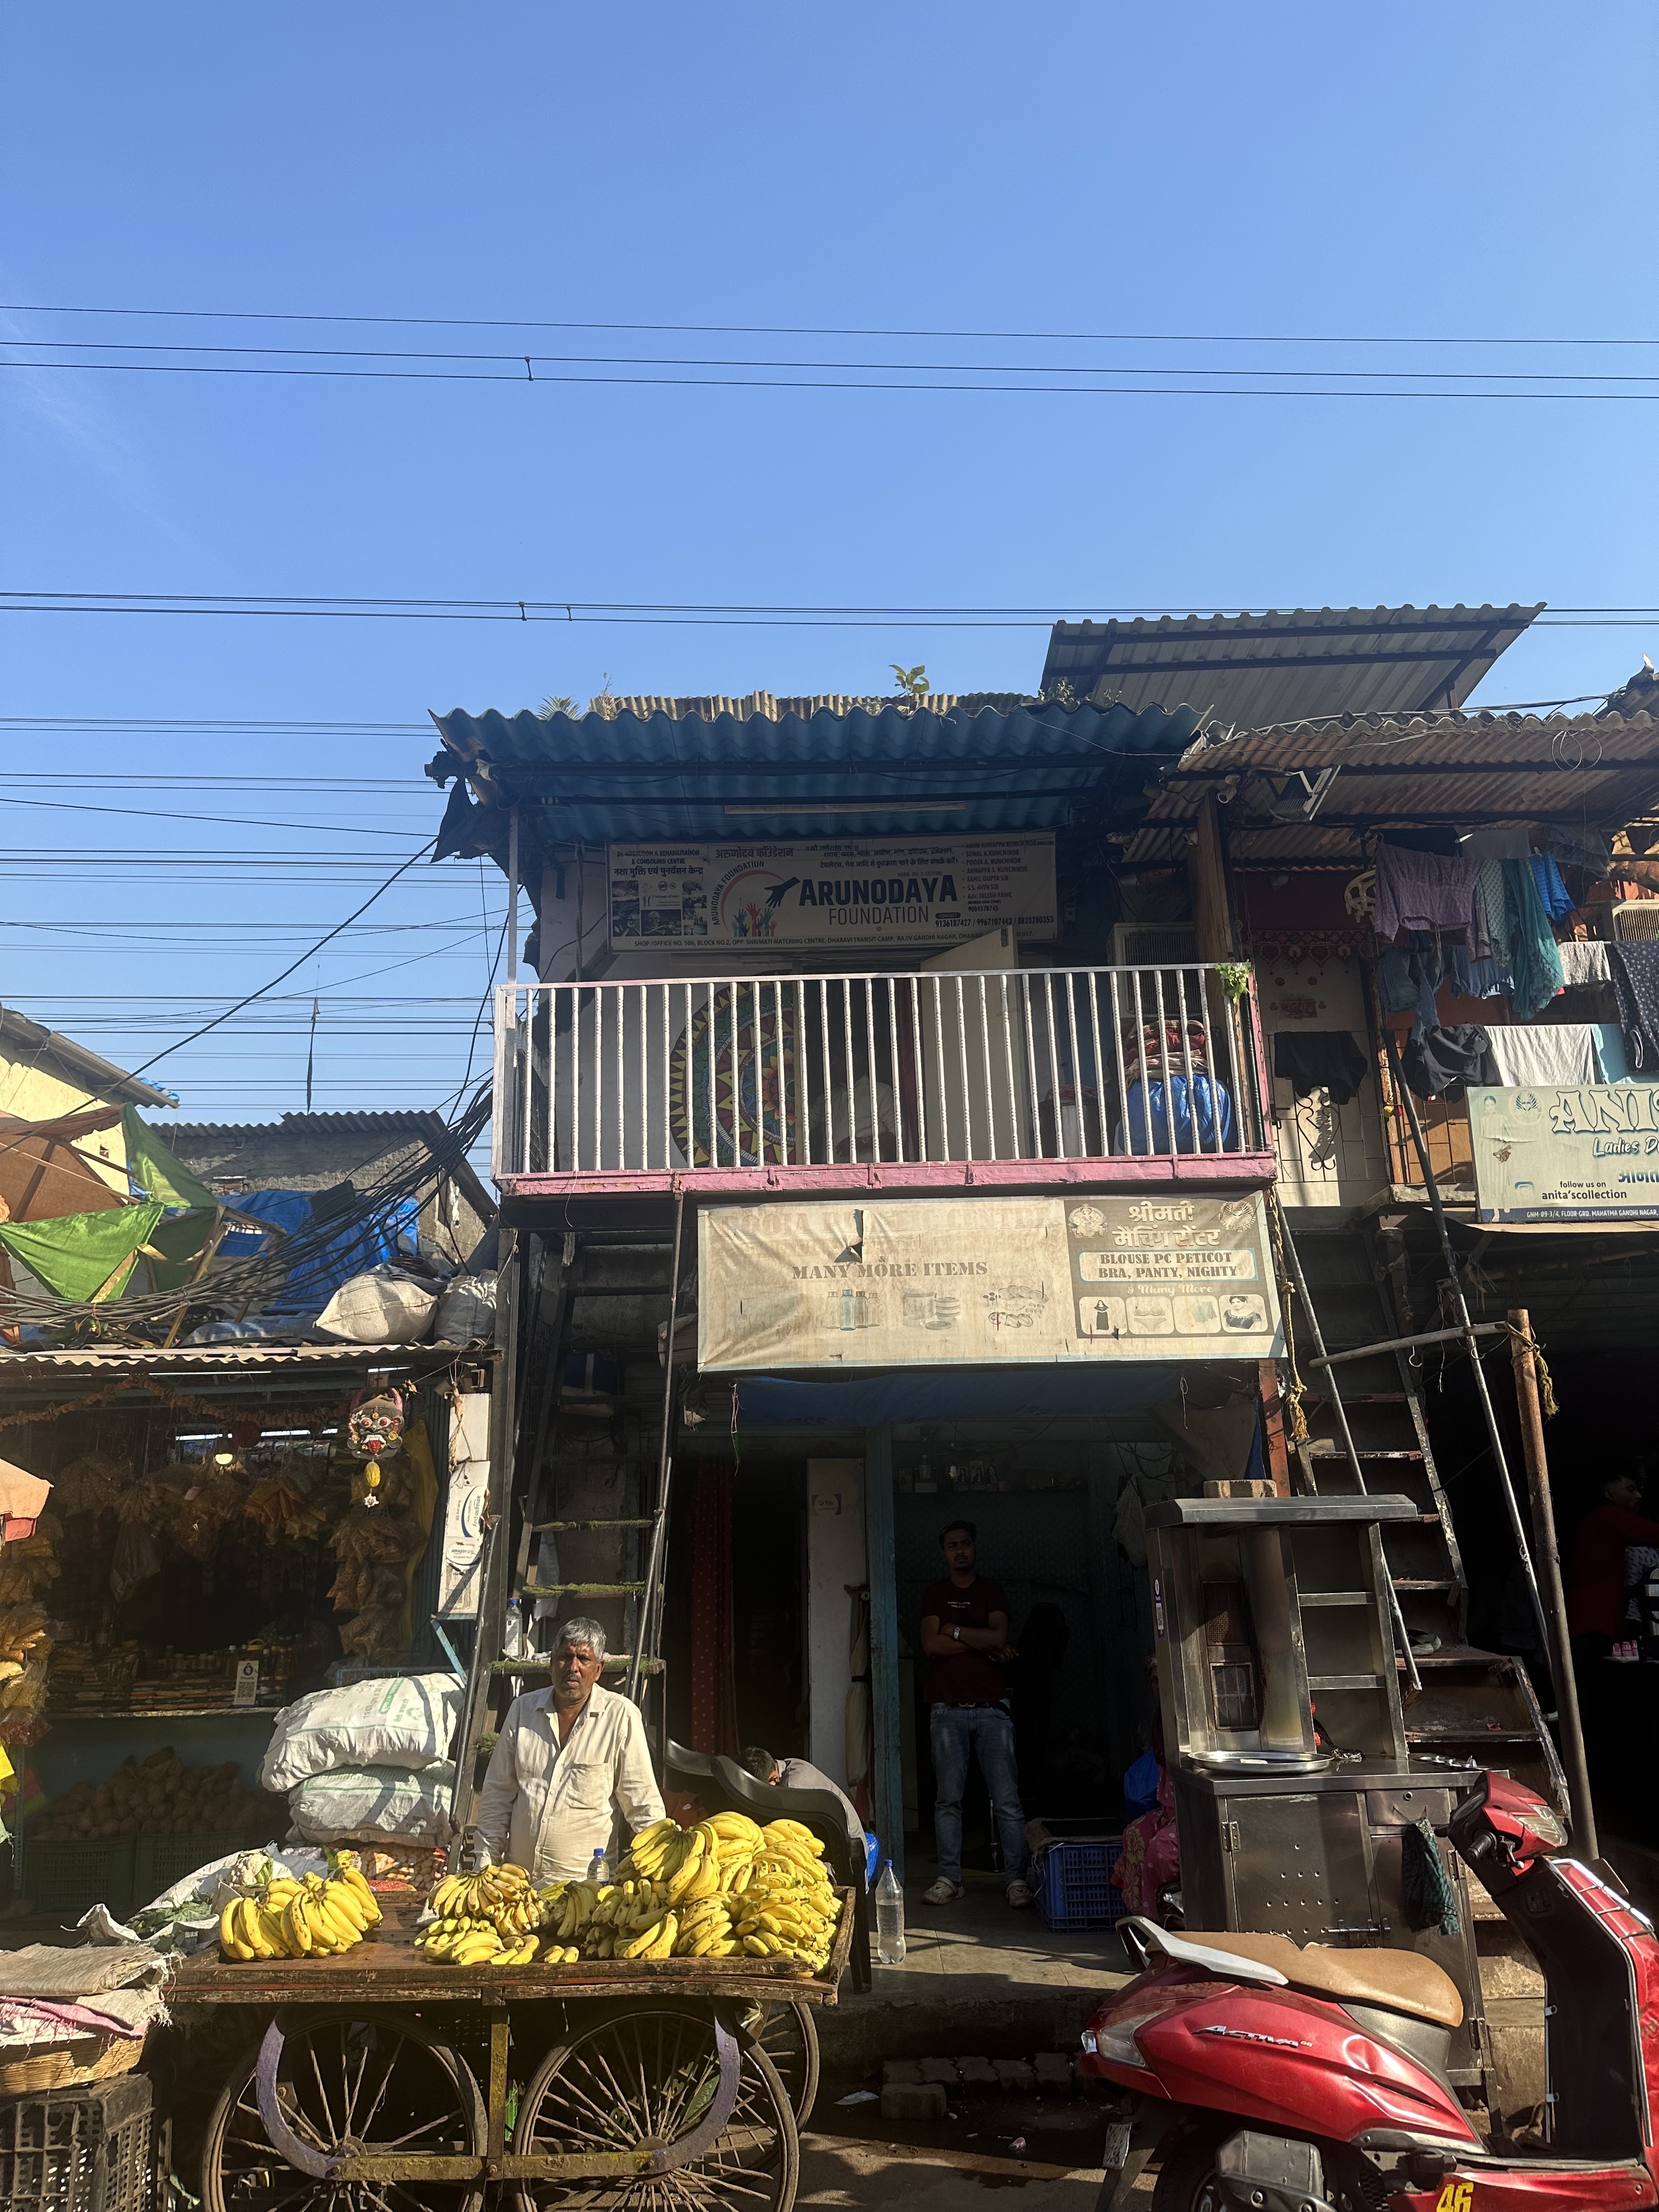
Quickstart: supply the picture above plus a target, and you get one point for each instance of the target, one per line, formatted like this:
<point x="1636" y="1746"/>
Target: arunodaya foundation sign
<point x="849" y="894"/>
<point x="985" y="1281"/>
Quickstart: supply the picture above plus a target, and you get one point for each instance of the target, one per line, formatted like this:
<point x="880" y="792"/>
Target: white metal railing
<point x="791" y="1072"/>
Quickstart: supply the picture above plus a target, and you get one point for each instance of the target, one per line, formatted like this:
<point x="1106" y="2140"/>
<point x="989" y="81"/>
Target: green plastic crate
<point x="160" y="1860"/>
<point x="69" y="1878"/>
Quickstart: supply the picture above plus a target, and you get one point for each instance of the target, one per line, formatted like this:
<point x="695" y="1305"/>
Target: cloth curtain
<point x="714" y="1684"/>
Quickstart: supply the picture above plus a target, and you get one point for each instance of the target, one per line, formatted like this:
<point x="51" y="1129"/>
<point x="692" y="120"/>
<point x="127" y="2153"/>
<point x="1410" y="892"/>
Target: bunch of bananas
<point x="625" y="1919"/>
<point x="461" y="1941"/>
<point x="787" y="1908"/>
<point x="291" y="1918"/>
<point x="497" y="1890"/>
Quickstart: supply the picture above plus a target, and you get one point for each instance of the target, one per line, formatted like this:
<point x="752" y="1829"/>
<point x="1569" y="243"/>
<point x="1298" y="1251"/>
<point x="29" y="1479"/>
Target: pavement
<point x="837" y="2172"/>
<point x="977" y="1977"/>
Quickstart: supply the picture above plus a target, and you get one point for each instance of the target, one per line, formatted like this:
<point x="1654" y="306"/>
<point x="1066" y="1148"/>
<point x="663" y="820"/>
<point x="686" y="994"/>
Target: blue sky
<point x="1291" y="170"/>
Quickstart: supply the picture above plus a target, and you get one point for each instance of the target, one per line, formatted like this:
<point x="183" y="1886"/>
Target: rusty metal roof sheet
<point x="1313" y="789"/>
<point x="1250" y="670"/>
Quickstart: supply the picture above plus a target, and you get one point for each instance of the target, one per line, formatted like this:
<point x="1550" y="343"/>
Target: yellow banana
<point x="296" y="1932"/>
<point x="687" y="1872"/>
<point x="664" y="1945"/>
<point x="230" y="1940"/>
<point x="641" y="1944"/>
<point x="755" y="1945"/>
<point x="357" y="1882"/>
<point x="345" y="1905"/>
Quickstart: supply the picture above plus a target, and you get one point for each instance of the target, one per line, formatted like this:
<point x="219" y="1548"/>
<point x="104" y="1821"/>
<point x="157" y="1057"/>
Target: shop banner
<point x="985" y="1281"/>
<point x="868" y="894"/>
<point x="1585" y="1153"/>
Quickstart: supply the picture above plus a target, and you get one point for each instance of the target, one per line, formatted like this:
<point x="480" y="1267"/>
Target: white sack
<point x="385" y="1801"/>
<point x="379" y="1308"/>
<point x="396" y="1720"/>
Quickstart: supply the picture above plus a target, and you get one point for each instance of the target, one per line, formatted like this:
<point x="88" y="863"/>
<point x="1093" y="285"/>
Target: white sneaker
<point x="944" y="1891"/>
<point x="1021" y="1893"/>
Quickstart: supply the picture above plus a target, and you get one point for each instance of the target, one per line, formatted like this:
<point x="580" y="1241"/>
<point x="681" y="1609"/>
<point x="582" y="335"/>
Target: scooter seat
<point x="1395" y="1981"/>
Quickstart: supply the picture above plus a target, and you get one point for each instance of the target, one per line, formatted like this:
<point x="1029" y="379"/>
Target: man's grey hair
<point x="581" y="1632"/>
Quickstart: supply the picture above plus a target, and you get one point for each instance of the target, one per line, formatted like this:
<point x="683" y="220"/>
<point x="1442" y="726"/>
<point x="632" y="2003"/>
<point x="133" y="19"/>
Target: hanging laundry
<point x="1534" y="962"/>
<point x="1408" y="976"/>
<point x="1490" y="940"/>
<point x="1636" y="980"/>
<point x="1475" y="977"/>
<point x="1319" y="1059"/>
<point x="1584" y="962"/>
<point x="1443" y="1062"/>
<point x="1552" y="892"/>
<point x="1420" y="890"/>
<point x="1544" y="1053"/>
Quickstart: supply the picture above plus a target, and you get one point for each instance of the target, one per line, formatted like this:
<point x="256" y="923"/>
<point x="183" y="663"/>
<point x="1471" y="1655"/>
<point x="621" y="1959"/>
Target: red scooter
<point x="1269" y="2078"/>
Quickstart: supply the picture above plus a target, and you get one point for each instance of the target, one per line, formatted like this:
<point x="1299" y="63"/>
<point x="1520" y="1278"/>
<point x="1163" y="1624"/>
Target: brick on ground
<point x="976" y="2073"/>
<point x="900" y="2069"/>
<point x="1054" y="2072"/>
<point x="941" y="2070"/>
<point x="1015" y="2077"/>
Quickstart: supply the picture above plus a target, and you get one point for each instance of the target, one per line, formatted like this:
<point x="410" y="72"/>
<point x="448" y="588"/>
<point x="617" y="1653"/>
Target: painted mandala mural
<point x="754" y="1068"/>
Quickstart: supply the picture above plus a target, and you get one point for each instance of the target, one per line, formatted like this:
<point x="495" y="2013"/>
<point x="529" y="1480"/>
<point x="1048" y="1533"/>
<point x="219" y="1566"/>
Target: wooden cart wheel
<point x="374" y="2082"/>
<point x="643" y="2078"/>
<point x="787" y="2034"/>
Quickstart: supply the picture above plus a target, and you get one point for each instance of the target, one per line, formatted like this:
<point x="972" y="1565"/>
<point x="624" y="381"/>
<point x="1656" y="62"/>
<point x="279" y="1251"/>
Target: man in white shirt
<point x="568" y="1759"/>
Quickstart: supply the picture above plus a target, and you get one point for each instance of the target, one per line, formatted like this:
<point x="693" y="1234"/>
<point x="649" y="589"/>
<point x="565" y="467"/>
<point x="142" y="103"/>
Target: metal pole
<point x="649" y="1609"/>
<point x="1465" y="1329"/>
<point x="1402" y="1636"/>
<point x="1409" y="1343"/>
<point x="1523" y="1353"/>
<point x="512" y="894"/>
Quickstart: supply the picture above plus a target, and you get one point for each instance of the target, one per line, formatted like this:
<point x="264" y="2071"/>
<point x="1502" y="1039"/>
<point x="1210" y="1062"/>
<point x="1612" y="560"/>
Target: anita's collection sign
<point x="1589" y="1152"/>
<point x="871" y="894"/>
<point x="985" y="1281"/>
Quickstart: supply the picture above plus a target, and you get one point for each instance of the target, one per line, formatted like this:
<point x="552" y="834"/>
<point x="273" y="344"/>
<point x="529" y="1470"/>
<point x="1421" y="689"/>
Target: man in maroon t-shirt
<point x="964" y="1632"/>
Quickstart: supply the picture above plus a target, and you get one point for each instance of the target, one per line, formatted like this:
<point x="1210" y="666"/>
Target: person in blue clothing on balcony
<point x="964" y="1632"/>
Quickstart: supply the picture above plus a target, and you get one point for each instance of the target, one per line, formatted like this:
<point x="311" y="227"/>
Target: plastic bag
<point x="402" y="1720"/>
<point x="374" y="1800"/>
<point x="135" y="1561"/>
<point x="1140" y="1785"/>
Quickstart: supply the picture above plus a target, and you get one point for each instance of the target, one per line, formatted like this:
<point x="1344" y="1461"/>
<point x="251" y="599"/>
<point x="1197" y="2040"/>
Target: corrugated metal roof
<point x="248" y="1361"/>
<point x="1583" y="772"/>
<point x="97" y="1078"/>
<point x="1248" y="671"/>
<point x="628" y="776"/>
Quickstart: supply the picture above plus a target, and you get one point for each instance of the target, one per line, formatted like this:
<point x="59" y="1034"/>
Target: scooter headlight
<point x="1117" y="2045"/>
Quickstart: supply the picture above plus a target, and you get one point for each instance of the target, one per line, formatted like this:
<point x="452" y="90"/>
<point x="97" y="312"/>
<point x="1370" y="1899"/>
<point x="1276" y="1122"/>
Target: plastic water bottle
<point x="890" y="1917"/>
<point x="599" y="1868"/>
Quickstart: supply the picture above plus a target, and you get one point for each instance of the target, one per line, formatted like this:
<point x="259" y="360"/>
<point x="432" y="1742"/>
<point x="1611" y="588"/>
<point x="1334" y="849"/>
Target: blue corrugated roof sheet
<point x="633" y="777"/>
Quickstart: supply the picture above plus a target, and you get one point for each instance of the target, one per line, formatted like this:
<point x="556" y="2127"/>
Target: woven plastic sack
<point x="466" y="1310"/>
<point x="405" y="1721"/>
<point x="379" y="1307"/>
<point x="381" y="1801"/>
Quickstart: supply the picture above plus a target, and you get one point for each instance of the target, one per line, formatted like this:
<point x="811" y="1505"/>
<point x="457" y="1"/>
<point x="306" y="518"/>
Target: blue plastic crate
<point x="1074" y="1886"/>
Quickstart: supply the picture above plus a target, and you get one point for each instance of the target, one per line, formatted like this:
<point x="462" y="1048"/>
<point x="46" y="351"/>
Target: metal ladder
<point x="1466" y="1704"/>
<point x="545" y="1512"/>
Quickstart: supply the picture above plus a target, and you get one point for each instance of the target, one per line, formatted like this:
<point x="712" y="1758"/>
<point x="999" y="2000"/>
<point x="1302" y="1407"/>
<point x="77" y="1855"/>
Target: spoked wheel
<point x="644" y="2080"/>
<point x="788" y="2035"/>
<point x="346" y="2083"/>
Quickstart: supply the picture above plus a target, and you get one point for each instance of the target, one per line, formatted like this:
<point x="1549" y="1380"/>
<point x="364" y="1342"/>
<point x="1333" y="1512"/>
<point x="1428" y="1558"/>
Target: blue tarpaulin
<point x="352" y="1249"/>
<point x="967" y="1393"/>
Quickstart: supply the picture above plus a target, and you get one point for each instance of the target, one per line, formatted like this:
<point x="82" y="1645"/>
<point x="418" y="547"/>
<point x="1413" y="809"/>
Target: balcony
<point x="1010" y="1078"/>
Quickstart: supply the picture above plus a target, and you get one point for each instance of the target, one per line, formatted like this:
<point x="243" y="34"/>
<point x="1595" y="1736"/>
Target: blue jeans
<point x="955" y="1730"/>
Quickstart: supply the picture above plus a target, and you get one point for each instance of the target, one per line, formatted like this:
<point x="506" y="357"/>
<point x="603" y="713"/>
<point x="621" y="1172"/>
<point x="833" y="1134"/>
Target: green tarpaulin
<point x="77" y="1255"/>
<point x="155" y="1173"/>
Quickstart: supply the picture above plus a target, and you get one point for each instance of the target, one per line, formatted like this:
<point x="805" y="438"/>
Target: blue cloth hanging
<point x="1552" y="895"/>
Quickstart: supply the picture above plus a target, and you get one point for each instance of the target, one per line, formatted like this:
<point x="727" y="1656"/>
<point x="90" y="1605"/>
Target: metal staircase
<point x="1471" y="1704"/>
<point x="584" y="1525"/>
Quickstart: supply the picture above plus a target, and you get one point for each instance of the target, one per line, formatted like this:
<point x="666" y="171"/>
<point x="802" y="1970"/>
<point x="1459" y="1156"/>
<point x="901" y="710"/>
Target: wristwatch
<point x="957" y="1632"/>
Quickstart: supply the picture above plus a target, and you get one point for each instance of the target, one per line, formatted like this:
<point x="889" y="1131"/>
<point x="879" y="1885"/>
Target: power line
<point x="513" y="362"/>
<point x="722" y="383"/>
<point x="287" y="971"/>
<point x="804" y="330"/>
<point x="369" y="607"/>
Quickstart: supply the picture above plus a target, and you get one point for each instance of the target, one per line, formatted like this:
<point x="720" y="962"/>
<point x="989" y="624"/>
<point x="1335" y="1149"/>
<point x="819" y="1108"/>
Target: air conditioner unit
<point x="1636" y="920"/>
<point x="1134" y="944"/>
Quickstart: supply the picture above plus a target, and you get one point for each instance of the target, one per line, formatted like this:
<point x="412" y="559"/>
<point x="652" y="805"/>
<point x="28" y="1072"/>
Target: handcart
<point x="610" y="2085"/>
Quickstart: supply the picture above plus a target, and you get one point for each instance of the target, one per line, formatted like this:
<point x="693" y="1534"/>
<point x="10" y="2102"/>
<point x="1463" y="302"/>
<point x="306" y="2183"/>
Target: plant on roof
<point x="913" y="681"/>
<point x="558" y="703"/>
